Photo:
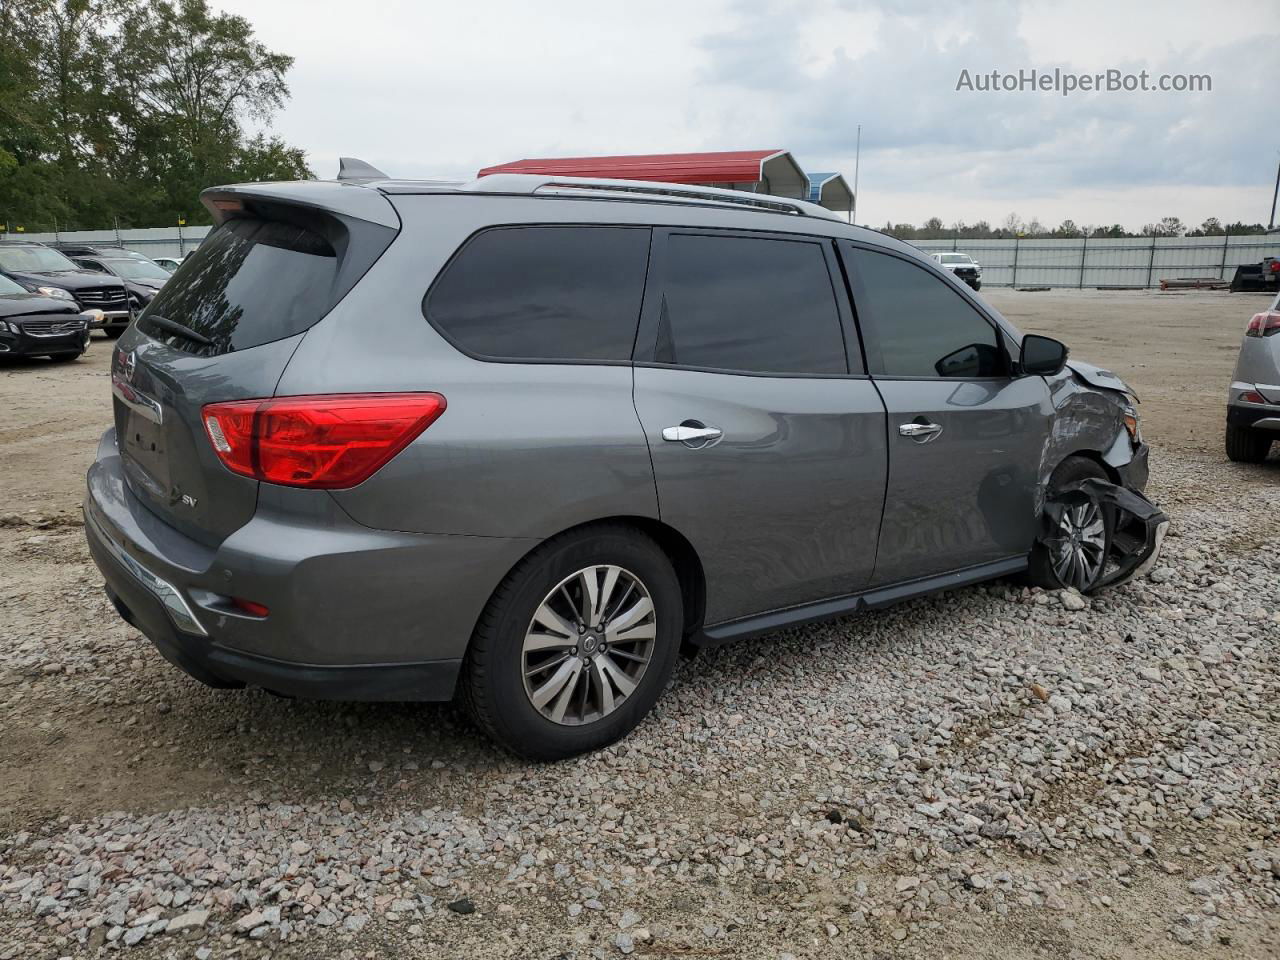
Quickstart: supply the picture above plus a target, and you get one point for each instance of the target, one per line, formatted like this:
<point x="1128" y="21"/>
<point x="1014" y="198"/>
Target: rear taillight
<point x="1263" y="324"/>
<point x="324" y="442"/>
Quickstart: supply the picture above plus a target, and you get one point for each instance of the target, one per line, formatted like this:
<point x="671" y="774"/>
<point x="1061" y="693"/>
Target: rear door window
<point x="544" y="293"/>
<point x="250" y="282"/>
<point x="749" y="304"/>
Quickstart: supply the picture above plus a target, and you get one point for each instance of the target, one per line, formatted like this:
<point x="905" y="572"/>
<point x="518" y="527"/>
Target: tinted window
<point x="544" y="293"/>
<point x="922" y="326"/>
<point x="757" y="305"/>
<point x="250" y="282"/>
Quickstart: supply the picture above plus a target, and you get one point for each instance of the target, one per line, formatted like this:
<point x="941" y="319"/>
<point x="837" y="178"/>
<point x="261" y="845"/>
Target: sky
<point x="441" y="90"/>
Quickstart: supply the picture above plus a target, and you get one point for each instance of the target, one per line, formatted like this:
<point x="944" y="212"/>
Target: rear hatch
<point x="223" y="328"/>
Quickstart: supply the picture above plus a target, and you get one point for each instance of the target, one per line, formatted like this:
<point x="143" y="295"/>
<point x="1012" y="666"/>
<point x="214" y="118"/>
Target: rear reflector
<point x="325" y="442"/>
<point x="251" y="607"/>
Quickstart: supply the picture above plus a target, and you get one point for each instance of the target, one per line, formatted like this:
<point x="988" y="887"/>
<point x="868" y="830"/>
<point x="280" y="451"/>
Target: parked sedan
<point x="34" y="325"/>
<point x="1253" y="401"/>
<point x="170" y="264"/>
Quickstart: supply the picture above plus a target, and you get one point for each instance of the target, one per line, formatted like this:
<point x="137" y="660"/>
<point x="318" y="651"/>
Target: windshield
<point x="137" y="269"/>
<point x="33" y="260"/>
<point x="8" y="287"/>
<point x="955" y="258"/>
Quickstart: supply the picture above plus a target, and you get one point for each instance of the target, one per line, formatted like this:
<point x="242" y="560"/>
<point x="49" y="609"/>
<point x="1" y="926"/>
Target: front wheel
<point x="976" y="284"/>
<point x="576" y="645"/>
<point x="1075" y="535"/>
<point x="114" y="332"/>
<point x="1246" y="445"/>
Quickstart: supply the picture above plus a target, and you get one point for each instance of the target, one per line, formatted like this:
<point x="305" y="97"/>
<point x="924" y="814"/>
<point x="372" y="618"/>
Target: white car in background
<point x="963" y="266"/>
<point x="169" y="263"/>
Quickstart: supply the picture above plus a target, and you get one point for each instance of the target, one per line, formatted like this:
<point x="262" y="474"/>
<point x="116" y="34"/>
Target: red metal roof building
<point x="756" y="171"/>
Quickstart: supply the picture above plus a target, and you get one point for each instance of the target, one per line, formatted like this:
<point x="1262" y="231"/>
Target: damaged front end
<point x="1101" y="534"/>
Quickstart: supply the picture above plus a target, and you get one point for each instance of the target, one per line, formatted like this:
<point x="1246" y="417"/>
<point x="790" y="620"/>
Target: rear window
<point x="544" y="293"/>
<point x="250" y="282"/>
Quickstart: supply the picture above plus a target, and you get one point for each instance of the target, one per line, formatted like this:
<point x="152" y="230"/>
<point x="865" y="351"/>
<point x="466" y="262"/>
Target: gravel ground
<point x="992" y="772"/>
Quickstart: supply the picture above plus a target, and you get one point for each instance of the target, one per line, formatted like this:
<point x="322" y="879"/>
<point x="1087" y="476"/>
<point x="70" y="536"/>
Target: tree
<point x="81" y="145"/>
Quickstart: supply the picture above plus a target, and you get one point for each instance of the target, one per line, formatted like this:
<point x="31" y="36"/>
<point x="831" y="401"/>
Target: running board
<point x="722" y="633"/>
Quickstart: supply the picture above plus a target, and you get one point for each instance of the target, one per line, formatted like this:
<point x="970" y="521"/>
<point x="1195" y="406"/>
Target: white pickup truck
<point x="963" y="266"/>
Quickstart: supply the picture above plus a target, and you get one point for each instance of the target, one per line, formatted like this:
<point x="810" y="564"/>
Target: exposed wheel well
<point x="1112" y="473"/>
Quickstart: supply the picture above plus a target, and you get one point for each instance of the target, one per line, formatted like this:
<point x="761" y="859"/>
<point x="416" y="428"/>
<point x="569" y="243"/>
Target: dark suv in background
<point x="527" y="437"/>
<point x="141" y="276"/>
<point x="40" y="269"/>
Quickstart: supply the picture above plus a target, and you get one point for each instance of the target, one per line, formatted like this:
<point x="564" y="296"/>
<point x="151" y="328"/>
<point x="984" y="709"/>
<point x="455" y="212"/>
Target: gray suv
<point x="1253" y="401"/>
<point x="527" y="438"/>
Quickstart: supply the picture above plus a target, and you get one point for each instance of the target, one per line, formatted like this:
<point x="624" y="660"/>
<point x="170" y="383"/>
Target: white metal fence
<point x="1118" y="262"/>
<point x="1121" y="262"/>
<point x="152" y="241"/>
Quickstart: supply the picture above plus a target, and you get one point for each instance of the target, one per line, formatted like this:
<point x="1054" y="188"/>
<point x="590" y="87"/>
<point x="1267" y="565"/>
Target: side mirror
<point x="1042" y="356"/>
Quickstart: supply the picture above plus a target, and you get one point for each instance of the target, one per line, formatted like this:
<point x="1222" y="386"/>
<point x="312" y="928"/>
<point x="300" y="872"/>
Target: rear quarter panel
<point x="523" y="449"/>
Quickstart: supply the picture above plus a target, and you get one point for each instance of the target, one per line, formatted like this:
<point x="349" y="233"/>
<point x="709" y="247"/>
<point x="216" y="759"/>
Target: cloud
<point x="444" y="90"/>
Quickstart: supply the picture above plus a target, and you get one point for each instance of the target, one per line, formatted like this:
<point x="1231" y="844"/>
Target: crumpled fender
<point x="1137" y="527"/>
<point x="1099" y="377"/>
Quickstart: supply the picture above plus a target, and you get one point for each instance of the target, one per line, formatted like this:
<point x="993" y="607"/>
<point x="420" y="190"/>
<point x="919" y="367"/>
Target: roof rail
<point x="528" y="183"/>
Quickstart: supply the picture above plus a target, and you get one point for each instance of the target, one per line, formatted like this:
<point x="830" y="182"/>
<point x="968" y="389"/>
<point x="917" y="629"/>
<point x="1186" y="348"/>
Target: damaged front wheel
<point x="1071" y="550"/>
<point x="1094" y="533"/>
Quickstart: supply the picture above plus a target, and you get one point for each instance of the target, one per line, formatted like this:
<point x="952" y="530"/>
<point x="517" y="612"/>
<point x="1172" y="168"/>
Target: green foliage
<point x="124" y="110"/>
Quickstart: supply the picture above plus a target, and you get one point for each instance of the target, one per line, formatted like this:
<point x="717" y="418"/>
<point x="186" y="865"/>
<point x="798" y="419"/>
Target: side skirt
<point x="722" y="633"/>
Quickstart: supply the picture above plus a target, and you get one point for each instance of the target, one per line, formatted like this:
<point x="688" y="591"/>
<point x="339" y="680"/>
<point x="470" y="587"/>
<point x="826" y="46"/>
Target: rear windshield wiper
<point x="181" y="329"/>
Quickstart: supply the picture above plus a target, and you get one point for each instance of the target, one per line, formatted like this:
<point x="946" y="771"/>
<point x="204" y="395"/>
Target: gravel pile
<point x="850" y="786"/>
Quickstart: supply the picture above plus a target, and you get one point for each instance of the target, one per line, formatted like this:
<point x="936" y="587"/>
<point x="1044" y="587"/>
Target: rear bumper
<point x="1255" y="415"/>
<point x="354" y="613"/>
<point x="217" y="666"/>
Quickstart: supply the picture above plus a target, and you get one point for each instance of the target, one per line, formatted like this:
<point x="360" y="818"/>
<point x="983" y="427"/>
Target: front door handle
<point x="923" y="432"/>
<point x="691" y="431"/>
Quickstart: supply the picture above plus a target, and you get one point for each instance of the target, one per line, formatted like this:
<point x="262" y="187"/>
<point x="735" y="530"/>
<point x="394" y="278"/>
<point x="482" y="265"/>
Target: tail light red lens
<point x="1263" y="324"/>
<point x="324" y="442"/>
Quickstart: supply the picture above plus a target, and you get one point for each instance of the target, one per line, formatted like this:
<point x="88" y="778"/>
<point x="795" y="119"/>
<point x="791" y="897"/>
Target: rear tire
<point x="1246" y="445"/>
<point x="114" y="332"/>
<point x="977" y="285"/>
<point x="1046" y="560"/>
<point x="507" y="669"/>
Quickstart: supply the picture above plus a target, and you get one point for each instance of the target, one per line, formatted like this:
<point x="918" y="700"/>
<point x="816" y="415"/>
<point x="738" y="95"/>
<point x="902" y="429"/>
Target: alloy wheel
<point x="588" y="645"/>
<point x="1078" y="548"/>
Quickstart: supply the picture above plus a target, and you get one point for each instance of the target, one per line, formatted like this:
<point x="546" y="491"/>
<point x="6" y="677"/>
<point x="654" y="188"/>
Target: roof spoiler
<point x="349" y="168"/>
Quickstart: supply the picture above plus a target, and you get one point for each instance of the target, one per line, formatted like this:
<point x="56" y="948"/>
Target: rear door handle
<point x="691" y="432"/>
<point x="920" y="431"/>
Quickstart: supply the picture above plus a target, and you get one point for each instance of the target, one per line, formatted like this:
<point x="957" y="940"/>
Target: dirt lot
<point x="889" y="785"/>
